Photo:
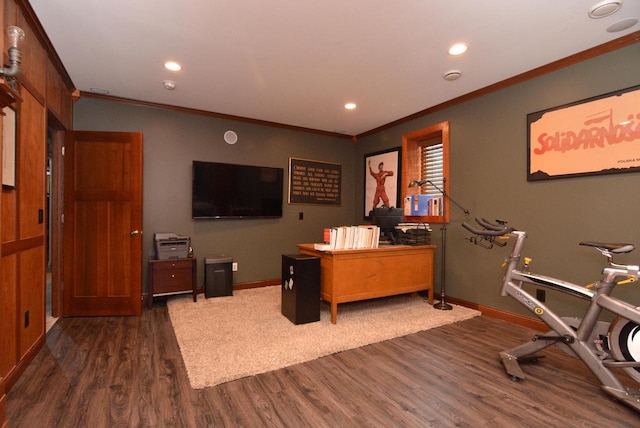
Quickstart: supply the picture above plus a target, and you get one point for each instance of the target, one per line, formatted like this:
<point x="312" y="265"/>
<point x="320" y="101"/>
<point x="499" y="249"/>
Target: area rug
<point x="227" y="338"/>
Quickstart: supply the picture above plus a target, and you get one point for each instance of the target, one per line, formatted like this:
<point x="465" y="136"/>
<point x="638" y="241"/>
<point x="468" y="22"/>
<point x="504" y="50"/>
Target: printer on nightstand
<point x="171" y="246"/>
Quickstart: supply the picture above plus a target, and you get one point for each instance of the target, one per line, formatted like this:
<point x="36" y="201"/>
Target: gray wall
<point x="173" y="140"/>
<point x="488" y="176"/>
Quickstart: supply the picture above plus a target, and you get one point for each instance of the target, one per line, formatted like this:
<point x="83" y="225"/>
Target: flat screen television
<point x="223" y="190"/>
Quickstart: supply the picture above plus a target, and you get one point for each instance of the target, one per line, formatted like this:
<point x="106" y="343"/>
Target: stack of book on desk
<point x="350" y="237"/>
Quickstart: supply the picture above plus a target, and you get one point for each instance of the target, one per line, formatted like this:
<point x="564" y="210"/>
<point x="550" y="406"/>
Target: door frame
<point x="56" y="226"/>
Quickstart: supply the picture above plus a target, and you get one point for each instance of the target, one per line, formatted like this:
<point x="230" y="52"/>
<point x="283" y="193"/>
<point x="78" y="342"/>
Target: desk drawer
<point x="172" y="280"/>
<point x="172" y="264"/>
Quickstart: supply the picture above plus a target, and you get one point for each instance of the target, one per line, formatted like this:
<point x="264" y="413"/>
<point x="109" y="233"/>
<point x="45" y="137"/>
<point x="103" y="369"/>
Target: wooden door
<point x="102" y="224"/>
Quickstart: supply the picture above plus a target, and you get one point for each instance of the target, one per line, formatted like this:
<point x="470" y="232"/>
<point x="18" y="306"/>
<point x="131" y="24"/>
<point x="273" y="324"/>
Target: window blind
<point x="431" y="168"/>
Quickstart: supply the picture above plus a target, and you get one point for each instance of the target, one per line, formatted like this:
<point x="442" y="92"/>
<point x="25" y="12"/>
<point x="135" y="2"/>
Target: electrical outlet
<point x="234" y="267"/>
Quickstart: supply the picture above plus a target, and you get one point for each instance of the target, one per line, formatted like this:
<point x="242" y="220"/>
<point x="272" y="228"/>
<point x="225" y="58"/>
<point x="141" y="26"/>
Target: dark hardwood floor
<point x="128" y="372"/>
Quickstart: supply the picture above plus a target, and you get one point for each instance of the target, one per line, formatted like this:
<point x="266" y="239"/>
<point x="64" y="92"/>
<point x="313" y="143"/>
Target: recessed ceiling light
<point x="172" y="65"/>
<point x="605" y="8"/>
<point x="350" y="106"/>
<point x="458" y="49"/>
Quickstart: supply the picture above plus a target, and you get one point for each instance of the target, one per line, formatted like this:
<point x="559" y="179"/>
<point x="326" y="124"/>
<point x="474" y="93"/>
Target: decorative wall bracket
<point x="8" y="94"/>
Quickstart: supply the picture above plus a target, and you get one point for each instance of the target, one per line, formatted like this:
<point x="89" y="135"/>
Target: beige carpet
<point x="226" y="338"/>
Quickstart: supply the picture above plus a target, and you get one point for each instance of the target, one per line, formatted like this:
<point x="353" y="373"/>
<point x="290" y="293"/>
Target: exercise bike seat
<point x="612" y="248"/>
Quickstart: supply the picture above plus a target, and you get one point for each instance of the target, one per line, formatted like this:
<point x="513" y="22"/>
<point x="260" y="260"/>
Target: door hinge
<point x="62" y="218"/>
<point x="62" y="149"/>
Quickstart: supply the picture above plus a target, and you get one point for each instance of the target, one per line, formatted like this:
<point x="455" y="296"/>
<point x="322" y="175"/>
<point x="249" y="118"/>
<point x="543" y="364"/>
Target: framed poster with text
<point x="600" y="135"/>
<point x="314" y="183"/>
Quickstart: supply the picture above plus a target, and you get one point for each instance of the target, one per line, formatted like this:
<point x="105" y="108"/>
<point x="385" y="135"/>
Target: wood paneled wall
<point x="46" y="92"/>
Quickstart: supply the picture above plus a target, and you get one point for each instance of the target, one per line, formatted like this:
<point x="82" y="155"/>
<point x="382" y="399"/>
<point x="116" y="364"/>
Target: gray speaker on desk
<point x="301" y="288"/>
<point x="218" y="276"/>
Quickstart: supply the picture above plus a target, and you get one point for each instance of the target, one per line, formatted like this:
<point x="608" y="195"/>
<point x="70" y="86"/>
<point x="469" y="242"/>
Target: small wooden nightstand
<point x="173" y="276"/>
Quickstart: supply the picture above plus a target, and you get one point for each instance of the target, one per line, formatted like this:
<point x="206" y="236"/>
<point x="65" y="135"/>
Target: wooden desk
<point x="352" y="275"/>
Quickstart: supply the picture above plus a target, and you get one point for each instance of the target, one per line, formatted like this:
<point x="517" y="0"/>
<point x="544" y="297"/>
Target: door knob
<point x="136" y="232"/>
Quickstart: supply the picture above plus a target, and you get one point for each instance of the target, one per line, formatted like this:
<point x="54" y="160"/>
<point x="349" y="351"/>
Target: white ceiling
<point x="297" y="62"/>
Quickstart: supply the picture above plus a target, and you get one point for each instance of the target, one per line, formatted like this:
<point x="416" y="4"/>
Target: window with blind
<point x="431" y="161"/>
<point x="425" y="157"/>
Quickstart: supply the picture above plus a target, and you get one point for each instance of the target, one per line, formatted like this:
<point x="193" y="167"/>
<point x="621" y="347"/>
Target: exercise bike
<point x="600" y="345"/>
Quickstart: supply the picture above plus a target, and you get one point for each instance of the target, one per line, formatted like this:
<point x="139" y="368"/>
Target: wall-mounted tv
<point x="223" y="190"/>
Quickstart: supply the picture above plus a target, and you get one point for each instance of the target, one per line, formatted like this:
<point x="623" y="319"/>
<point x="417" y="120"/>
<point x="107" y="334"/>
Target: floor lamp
<point x="442" y="304"/>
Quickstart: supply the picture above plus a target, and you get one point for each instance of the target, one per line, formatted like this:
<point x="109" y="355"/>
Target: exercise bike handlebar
<point x="490" y="229"/>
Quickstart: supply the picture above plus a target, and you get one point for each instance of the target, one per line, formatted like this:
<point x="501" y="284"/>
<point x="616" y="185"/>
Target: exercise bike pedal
<point x="512" y="364"/>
